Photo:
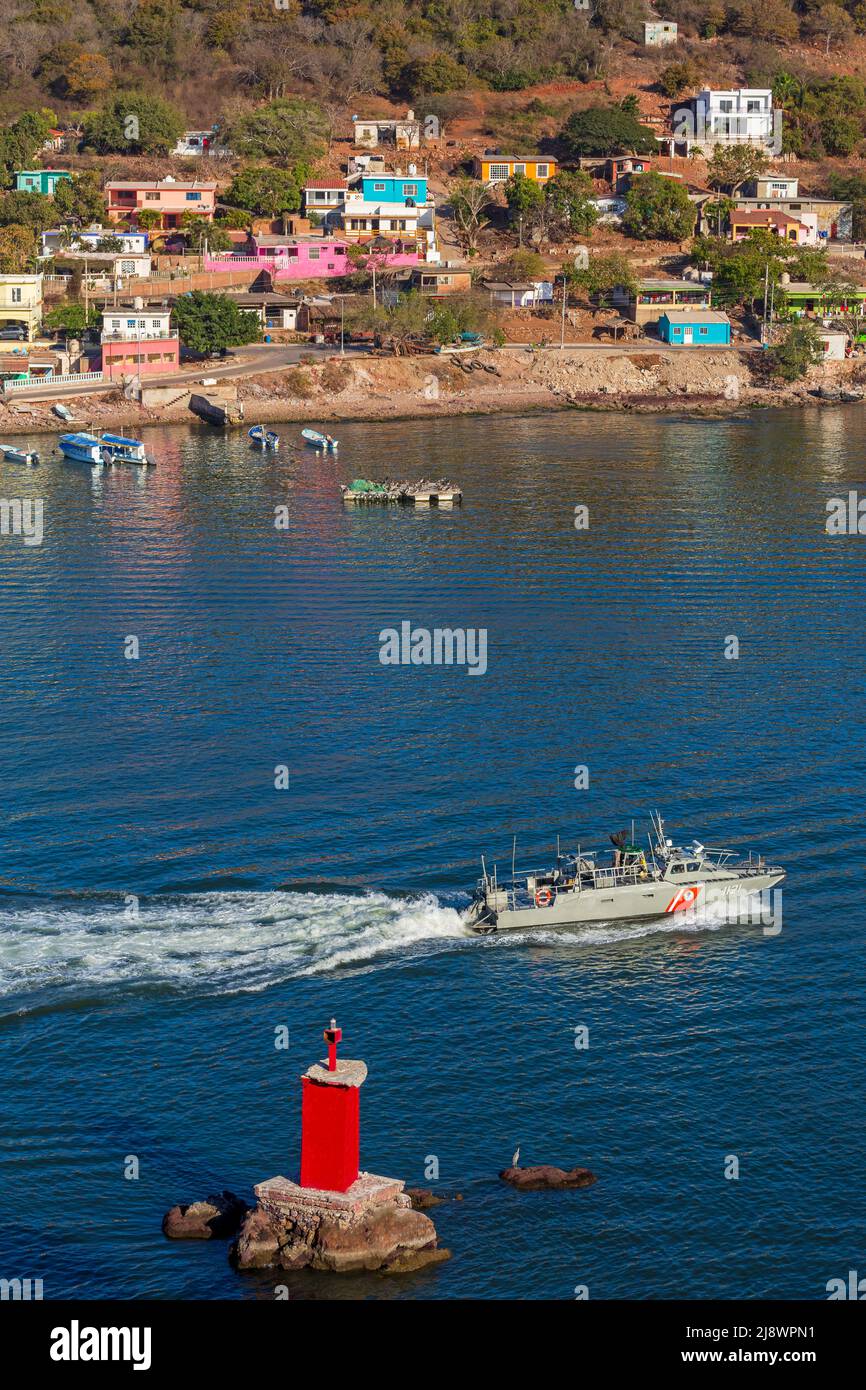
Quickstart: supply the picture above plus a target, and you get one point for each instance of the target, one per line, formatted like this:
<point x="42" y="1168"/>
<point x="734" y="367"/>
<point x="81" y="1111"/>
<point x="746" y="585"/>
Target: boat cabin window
<point x="693" y="866"/>
<point x="678" y="868"/>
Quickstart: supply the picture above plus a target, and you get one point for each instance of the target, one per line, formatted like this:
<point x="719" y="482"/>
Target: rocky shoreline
<point x="516" y="382"/>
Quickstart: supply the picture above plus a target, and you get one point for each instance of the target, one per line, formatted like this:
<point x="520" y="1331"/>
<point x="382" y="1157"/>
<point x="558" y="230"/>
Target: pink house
<point x="309" y="258"/>
<point x="137" y="340"/>
<point x="168" y="197"/>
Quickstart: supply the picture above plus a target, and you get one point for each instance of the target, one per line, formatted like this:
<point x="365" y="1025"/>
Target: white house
<point x="201" y="143"/>
<point x="520" y="294"/>
<point x="658" y="32"/>
<point x="131" y="243"/>
<point x="131" y="324"/>
<point x="734" y="117"/>
<point x="405" y="134"/>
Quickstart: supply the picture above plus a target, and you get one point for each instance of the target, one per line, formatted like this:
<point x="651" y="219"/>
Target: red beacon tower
<point x="331" y="1119"/>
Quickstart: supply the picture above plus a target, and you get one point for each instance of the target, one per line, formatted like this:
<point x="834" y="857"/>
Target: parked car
<point x="15" y="332"/>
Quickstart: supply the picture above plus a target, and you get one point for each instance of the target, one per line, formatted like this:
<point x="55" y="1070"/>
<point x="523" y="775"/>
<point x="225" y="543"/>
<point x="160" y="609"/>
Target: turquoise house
<point x="698" y="328"/>
<point x="40" y="180"/>
<point x="394" y="188"/>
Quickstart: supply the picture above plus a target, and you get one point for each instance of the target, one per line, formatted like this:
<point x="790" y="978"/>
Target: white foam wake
<point x="219" y="941"/>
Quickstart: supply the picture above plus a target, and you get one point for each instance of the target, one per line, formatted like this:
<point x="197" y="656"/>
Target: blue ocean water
<point x="164" y="908"/>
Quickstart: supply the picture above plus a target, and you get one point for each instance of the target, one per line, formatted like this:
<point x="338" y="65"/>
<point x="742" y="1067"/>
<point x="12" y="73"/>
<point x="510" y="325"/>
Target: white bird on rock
<point x="516" y="1157"/>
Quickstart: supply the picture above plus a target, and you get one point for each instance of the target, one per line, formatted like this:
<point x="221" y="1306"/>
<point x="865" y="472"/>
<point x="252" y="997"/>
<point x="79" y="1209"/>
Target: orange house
<point x="168" y="197"/>
<point x="494" y="169"/>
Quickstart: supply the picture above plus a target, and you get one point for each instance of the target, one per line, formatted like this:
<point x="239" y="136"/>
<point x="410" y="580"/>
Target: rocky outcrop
<point x="372" y="1227"/>
<point x="216" y="1218"/>
<point x="545" y="1177"/>
<point x="422" y="1198"/>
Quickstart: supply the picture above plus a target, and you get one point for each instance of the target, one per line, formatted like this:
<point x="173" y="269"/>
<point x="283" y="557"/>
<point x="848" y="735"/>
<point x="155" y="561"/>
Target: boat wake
<point x="214" y="942"/>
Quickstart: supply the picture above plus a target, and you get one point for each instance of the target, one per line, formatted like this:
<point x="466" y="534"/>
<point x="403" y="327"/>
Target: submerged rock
<point x="216" y="1218"/>
<point x="545" y="1176"/>
<point x="423" y="1197"/>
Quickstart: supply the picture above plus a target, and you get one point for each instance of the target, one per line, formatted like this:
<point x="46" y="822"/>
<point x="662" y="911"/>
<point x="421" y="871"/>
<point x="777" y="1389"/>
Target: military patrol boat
<point x="651" y="882"/>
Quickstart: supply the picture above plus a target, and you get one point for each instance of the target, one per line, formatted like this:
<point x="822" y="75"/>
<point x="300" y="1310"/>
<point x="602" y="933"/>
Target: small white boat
<point x="13" y="455"/>
<point x="264" y="439"/>
<point x="319" y="441"/>
<point x="62" y="412"/>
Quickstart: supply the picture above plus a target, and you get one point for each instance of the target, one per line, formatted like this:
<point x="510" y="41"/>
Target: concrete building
<point x="498" y="169"/>
<point x="695" y="328"/>
<point x="657" y="33"/>
<point x="169" y="198"/>
<point x="137" y="341"/>
<point x="734" y="117"/>
<point x="405" y="133"/>
<point x="42" y="181"/>
<point x="655" y="297"/>
<point x="21" y="303"/>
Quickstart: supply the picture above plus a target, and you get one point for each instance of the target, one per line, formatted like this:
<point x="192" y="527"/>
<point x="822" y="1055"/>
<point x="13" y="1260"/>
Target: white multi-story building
<point x="736" y="117"/>
<point x="657" y="33"/>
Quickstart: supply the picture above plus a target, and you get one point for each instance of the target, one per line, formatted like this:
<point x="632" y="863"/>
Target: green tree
<point x="523" y="265"/>
<point x="210" y="322"/>
<point x="677" y="78"/>
<point x="71" y="319"/>
<point x="603" y="274"/>
<point x="569" y="207"/>
<point x="79" y="201"/>
<point x="658" y="209"/>
<point x="800" y="349"/>
<point x="27" y="210"/>
<point x="291" y="129"/>
<point x="525" y="199"/>
<point x="21" y="141"/>
<point x="730" y="166"/>
<point x="440" y="73"/>
<point x="17" y="248"/>
<point x="133" y="123"/>
<point x="198" y="231"/>
<point x="267" y="192"/>
<point x="606" y="130"/>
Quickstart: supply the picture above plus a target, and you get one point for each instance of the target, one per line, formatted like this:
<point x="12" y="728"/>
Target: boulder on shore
<point x="546" y="1177"/>
<point x="216" y="1218"/>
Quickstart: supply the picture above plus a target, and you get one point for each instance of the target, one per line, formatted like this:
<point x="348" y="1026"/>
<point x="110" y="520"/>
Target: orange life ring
<point x="543" y="897"/>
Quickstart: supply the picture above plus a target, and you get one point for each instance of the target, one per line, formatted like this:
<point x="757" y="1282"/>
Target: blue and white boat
<point x="319" y="441"/>
<point x="82" y="448"/>
<point x="120" y="450"/>
<point x="13" y="455"/>
<point x="104" y="448"/>
<point x="264" y="439"/>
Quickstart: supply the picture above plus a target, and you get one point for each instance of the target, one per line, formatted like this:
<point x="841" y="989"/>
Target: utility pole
<point x="564" y="298"/>
<point x="766" y="296"/>
<point x="342" y="332"/>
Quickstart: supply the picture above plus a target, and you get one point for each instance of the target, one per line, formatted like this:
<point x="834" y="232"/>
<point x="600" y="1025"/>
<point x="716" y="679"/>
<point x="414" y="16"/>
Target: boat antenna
<point x="513" y="855"/>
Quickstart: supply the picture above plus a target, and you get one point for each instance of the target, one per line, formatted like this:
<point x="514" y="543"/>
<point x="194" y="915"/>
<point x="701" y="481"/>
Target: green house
<point x="40" y="180"/>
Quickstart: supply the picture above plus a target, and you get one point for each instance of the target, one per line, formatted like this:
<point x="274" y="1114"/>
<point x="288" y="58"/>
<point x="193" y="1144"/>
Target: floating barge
<point x="441" y="493"/>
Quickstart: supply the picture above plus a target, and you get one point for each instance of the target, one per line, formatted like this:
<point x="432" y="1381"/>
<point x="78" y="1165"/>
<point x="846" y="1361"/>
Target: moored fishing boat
<point x="653" y="882"/>
<point x="82" y="448"/>
<point x="264" y="439"/>
<point x="319" y="441"/>
<point x="13" y="455"/>
<point x="118" y="449"/>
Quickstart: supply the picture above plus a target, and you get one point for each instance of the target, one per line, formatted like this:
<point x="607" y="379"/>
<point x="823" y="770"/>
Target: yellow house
<point x="21" y="303"/>
<point x="496" y="169"/>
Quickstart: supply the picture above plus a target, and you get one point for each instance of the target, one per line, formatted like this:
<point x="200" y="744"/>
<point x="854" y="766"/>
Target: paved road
<point x="258" y="357"/>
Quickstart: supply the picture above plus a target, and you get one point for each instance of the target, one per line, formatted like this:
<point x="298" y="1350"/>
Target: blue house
<point x="39" y="180"/>
<point x="393" y="188"/>
<point x="698" y="328"/>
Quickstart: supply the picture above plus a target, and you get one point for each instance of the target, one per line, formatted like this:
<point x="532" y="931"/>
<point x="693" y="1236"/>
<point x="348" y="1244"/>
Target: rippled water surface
<point x="164" y="908"/>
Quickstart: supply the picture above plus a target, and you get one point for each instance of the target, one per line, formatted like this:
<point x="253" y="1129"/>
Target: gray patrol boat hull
<point x="664" y="882"/>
